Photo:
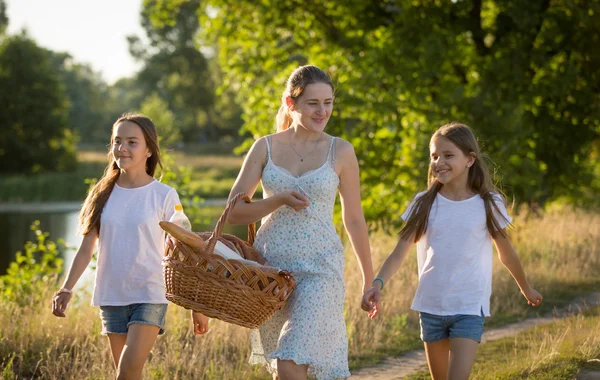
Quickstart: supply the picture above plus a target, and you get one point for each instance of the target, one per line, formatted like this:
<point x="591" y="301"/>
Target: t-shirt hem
<point x="449" y="313"/>
<point x="125" y="303"/>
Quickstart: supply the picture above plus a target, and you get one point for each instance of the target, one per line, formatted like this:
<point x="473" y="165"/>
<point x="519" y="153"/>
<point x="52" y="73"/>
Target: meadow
<point x="211" y="175"/>
<point x="560" y="350"/>
<point x="559" y="250"/>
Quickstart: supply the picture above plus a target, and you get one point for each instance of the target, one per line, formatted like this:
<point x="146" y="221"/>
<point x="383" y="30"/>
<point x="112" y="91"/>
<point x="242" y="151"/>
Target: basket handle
<point x="212" y="240"/>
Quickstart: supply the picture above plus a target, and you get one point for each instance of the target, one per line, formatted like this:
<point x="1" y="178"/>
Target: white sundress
<point x="310" y="328"/>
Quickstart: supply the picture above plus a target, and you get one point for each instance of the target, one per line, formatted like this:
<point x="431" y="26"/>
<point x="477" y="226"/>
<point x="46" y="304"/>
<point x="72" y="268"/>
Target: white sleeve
<point x="410" y="207"/>
<point x="503" y="218"/>
<point x="171" y="200"/>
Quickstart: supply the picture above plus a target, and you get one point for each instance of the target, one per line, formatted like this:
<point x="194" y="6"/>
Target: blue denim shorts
<point x="440" y="327"/>
<point x="116" y="319"/>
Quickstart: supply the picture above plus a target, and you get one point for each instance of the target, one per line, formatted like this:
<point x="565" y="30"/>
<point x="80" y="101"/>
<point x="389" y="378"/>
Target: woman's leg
<point x="116" y="342"/>
<point x="437" y="358"/>
<point x="140" y="339"/>
<point x="288" y="370"/>
<point x="462" y="357"/>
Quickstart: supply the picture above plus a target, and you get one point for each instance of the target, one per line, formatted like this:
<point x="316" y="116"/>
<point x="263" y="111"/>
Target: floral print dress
<point x="310" y="328"/>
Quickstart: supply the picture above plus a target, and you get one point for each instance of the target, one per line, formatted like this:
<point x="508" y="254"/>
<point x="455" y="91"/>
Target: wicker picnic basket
<point x="228" y="290"/>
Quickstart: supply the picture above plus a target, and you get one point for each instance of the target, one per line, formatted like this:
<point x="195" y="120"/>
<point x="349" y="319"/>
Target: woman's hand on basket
<point x="295" y="200"/>
<point x="200" y="323"/>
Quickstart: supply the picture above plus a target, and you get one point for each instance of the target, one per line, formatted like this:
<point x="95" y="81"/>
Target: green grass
<point x="557" y="351"/>
<point x="557" y="295"/>
<point x="212" y="176"/>
<point x="49" y="187"/>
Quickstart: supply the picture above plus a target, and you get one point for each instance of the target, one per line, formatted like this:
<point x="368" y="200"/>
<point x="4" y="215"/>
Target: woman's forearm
<point x="359" y="238"/>
<point x="247" y="213"/>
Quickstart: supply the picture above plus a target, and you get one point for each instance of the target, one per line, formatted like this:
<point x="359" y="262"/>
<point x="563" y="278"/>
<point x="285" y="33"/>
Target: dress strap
<point x="331" y="153"/>
<point x="268" y="146"/>
<point x="268" y="158"/>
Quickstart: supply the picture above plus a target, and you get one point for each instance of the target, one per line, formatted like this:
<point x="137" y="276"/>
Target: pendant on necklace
<point x="301" y="159"/>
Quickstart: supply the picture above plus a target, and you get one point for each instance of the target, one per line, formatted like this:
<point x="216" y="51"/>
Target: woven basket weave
<point x="228" y="290"/>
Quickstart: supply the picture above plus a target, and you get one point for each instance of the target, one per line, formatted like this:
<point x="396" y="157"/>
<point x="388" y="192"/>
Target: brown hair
<point x="296" y="83"/>
<point x="99" y="194"/>
<point x="479" y="181"/>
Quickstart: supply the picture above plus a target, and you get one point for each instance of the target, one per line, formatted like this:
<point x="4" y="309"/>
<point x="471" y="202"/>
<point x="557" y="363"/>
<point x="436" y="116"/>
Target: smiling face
<point x="312" y="109"/>
<point x="448" y="163"/>
<point x="129" y="147"/>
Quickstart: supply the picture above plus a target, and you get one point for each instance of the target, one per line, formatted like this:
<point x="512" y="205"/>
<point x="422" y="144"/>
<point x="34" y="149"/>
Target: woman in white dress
<point x="302" y="168"/>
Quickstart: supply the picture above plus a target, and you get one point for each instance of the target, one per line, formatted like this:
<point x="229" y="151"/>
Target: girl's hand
<point x="371" y="302"/>
<point x="295" y="200"/>
<point x="534" y="298"/>
<point x="199" y="323"/>
<point x="59" y="304"/>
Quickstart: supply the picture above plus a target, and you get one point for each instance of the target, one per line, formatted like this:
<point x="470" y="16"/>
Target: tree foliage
<point x="90" y="112"/>
<point x="524" y="74"/>
<point x="156" y="109"/>
<point x="3" y="17"/>
<point x="34" y="133"/>
<point x="174" y="68"/>
<point x="34" y="269"/>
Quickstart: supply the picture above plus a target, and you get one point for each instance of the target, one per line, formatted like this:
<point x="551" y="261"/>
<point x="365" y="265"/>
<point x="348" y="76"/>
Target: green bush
<point x="34" y="269"/>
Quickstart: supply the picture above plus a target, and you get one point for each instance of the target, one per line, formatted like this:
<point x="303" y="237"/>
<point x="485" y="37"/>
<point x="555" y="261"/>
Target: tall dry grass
<point x="559" y="252"/>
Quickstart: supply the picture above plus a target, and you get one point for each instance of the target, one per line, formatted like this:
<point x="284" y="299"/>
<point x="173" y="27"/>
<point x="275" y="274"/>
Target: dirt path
<point x="414" y="361"/>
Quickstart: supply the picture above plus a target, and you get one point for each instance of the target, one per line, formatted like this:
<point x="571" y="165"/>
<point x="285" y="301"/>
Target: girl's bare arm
<point x="510" y="259"/>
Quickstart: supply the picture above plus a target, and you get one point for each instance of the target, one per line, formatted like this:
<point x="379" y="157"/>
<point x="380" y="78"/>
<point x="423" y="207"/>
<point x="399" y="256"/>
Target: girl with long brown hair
<point x="122" y="213"/>
<point x="453" y="224"/>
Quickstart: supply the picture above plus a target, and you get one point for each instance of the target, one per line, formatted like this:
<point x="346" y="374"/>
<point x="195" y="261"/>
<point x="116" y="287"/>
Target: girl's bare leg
<point x="288" y="370"/>
<point x="437" y="358"/>
<point x="140" y="339"/>
<point x="116" y="342"/>
<point x="462" y="357"/>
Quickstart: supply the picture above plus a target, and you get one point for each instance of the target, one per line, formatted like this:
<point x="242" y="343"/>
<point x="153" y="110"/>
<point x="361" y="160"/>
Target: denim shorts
<point x="440" y="327"/>
<point x="116" y="319"/>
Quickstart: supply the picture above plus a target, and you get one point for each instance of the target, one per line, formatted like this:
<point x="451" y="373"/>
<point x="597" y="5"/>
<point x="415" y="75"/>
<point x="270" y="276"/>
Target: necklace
<point x="306" y="154"/>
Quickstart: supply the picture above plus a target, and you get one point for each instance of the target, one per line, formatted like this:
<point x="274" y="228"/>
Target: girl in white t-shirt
<point x="122" y="212"/>
<point x="453" y="224"/>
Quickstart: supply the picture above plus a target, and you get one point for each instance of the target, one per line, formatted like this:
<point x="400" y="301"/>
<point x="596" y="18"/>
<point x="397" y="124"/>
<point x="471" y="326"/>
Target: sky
<point x="92" y="31"/>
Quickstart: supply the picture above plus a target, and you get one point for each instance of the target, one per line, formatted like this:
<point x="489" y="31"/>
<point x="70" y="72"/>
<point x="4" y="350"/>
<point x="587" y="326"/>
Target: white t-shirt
<point x="131" y="245"/>
<point x="455" y="257"/>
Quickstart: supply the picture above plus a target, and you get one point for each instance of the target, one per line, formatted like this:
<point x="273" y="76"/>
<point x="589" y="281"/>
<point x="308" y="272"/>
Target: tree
<point x="34" y="133"/>
<point x="156" y="109"/>
<point x="174" y="68"/>
<point x="89" y="113"/>
<point x="3" y="17"/>
<point x="524" y="74"/>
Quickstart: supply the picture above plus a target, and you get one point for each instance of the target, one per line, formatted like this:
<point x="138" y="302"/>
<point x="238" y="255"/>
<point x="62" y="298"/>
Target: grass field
<point x="559" y="251"/>
<point x="211" y="176"/>
<point x="553" y="352"/>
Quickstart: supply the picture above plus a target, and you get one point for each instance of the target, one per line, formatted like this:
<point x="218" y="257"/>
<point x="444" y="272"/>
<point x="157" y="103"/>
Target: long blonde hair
<point x="296" y="83"/>
<point x="89" y="217"/>
<point x="479" y="181"/>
